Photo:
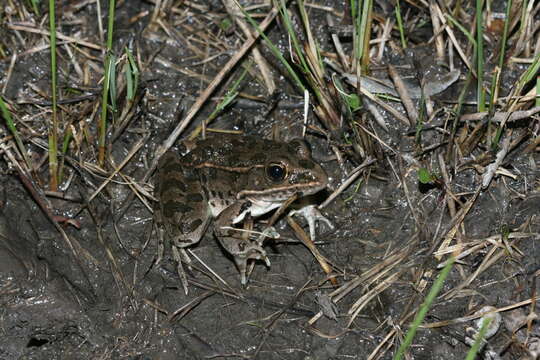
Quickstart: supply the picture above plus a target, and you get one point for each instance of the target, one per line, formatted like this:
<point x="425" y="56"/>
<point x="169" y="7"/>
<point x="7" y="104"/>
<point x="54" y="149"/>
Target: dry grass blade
<point x="325" y="265"/>
<point x="58" y="35"/>
<point x="464" y="319"/>
<point x="456" y="222"/>
<point x="185" y="309"/>
<point x="235" y="13"/>
<point x="355" y="309"/>
<point x="403" y="94"/>
<point x="375" y="273"/>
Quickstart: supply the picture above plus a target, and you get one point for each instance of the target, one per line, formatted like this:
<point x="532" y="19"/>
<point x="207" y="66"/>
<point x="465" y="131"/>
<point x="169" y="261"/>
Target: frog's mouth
<point x="282" y="193"/>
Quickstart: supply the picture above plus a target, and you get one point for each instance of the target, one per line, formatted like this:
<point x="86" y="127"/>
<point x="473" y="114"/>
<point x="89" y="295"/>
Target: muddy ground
<point x="89" y="288"/>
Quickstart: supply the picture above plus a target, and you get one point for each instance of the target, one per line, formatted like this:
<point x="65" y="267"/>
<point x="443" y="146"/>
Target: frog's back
<point x="233" y="151"/>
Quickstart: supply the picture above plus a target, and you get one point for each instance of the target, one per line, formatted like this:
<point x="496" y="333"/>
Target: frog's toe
<point x="241" y="264"/>
<point x="312" y="215"/>
<point x="269" y="232"/>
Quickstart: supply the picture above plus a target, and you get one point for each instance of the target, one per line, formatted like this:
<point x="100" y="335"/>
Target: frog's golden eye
<point x="276" y="172"/>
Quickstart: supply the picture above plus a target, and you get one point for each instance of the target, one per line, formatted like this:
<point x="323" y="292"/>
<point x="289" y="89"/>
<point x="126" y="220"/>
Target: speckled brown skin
<point x="226" y="178"/>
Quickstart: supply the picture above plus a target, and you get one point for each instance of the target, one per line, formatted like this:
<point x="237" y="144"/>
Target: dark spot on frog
<point x="188" y="158"/>
<point x="204" y="179"/>
<point x="270" y="145"/>
<point x="234" y="160"/>
<point x="242" y="246"/>
<point x="245" y="206"/>
<point x="258" y="158"/>
<point x="173" y="167"/>
<point x="306" y="164"/>
<point x="174" y="184"/>
<point x="190" y="175"/>
<point x="170" y="208"/>
<point x="194" y="198"/>
<point x="237" y="143"/>
<point x="212" y="174"/>
<point x="193" y="225"/>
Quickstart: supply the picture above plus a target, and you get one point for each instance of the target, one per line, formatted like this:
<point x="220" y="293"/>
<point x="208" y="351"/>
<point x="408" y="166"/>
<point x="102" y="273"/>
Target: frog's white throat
<point x="257" y="208"/>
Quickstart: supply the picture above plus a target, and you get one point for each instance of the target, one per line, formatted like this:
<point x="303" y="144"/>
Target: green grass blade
<point x="273" y="48"/>
<point x="11" y="126"/>
<point x="505" y="34"/>
<point x="478" y="340"/>
<point x="437" y="286"/>
<point x="35" y="6"/>
<point x="112" y="83"/>
<point x="53" y="128"/>
<point x="400" y="26"/>
<point x="132" y="75"/>
<point x="530" y="74"/>
<point x="292" y="34"/>
<point x="230" y="95"/>
<point x="106" y="83"/>
<point x="465" y="32"/>
<point x="537" y="91"/>
<point x="361" y="34"/>
<point x="480" y="57"/>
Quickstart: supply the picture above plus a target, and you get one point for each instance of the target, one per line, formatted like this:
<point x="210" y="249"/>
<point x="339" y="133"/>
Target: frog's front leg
<point x="231" y="239"/>
<point x="312" y="215"/>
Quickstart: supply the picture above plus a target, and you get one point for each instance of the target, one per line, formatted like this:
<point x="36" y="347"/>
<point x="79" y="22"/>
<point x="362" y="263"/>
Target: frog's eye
<point x="276" y="172"/>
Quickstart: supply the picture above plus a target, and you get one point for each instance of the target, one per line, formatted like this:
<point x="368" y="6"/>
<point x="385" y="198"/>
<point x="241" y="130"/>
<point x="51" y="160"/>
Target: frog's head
<point x="287" y="169"/>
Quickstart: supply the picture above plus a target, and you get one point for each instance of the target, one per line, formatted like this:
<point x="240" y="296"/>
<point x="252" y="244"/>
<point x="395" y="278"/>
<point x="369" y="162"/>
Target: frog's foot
<point x="243" y="250"/>
<point x="178" y="254"/>
<point x="312" y="215"/>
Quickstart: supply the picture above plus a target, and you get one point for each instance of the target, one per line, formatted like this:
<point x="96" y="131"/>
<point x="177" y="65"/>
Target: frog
<point x="226" y="179"/>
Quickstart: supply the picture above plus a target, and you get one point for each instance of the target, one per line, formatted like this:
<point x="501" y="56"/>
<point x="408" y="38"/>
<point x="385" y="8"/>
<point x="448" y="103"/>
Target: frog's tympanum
<point x="227" y="178"/>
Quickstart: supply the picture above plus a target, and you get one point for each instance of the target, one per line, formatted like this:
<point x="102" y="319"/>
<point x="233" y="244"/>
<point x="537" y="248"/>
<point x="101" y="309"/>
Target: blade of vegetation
<point x="112" y="83"/>
<point x="292" y="34"/>
<point x="529" y="75"/>
<point x="480" y="56"/>
<point x="495" y="81"/>
<point x="53" y="128"/>
<point x="505" y="34"/>
<point x="471" y="355"/>
<point x="132" y="75"/>
<point x="361" y="35"/>
<point x="437" y="286"/>
<point x="11" y="126"/>
<point x="400" y="26"/>
<point x="272" y="48"/>
<point x="35" y="6"/>
<point x="312" y="49"/>
<point x="465" y="32"/>
<point x="109" y="59"/>
<point x="308" y="61"/>
<point x="230" y="95"/>
<point x="537" y="91"/>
